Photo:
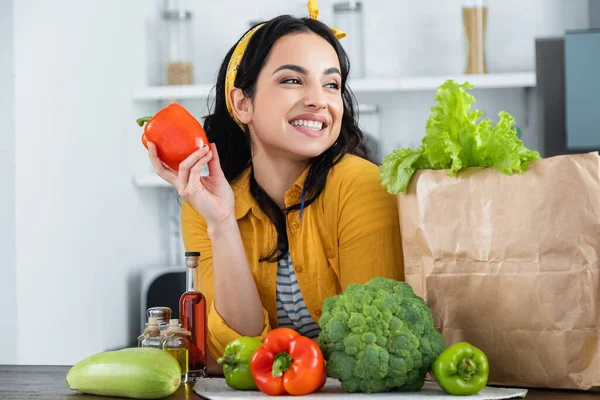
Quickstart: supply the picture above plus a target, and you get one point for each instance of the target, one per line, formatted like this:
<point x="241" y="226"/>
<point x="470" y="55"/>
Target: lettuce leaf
<point x="397" y="168"/>
<point x="454" y="140"/>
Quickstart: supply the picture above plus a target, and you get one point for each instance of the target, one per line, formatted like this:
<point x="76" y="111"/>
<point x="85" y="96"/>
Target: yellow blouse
<point x="350" y="234"/>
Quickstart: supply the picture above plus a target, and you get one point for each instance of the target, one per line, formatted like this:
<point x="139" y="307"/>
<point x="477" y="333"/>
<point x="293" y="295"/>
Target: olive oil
<point x="182" y="357"/>
<point x="175" y="343"/>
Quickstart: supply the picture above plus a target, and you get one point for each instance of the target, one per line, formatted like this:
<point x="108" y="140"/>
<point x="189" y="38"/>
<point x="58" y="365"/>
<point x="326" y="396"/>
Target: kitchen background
<point x="83" y="220"/>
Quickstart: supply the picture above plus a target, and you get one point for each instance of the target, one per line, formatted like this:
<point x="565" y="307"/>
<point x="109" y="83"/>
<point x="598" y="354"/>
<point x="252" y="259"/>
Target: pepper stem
<point x="143" y="120"/>
<point x="225" y="360"/>
<point x="466" y="369"/>
<point x="282" y="363"/>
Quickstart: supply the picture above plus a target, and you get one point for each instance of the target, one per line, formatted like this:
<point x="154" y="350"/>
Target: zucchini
<point x="138" y="372"/>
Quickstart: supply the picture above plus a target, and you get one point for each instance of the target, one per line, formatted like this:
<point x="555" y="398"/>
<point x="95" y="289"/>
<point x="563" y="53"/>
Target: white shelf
<point x="149" y="180"/>
<point x="183" y="92"/>
<point x="374" y="85"/>
<point x="482" y="81"/>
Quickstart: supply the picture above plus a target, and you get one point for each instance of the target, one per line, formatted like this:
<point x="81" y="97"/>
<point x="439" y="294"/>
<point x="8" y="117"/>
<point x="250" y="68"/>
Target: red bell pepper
<point x="175" y="132"/>
<point x="288" y="363"/>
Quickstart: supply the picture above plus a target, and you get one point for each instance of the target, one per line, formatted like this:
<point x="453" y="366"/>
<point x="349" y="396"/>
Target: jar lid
<point x="348" y="6"/>
<point x="162" y="314"/>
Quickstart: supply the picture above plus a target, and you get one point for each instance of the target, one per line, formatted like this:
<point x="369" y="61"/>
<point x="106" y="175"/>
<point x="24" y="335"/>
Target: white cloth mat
<point x="217" y="389"/>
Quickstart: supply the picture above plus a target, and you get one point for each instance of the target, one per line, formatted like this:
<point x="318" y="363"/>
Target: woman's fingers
<point x="166" y="174"/>
<point x="193" y="158"/>
<point x="190" y="169"/>
<point x="214" y="165"/>
<point x="196" y="170"/>
<point x="186" y="165"/>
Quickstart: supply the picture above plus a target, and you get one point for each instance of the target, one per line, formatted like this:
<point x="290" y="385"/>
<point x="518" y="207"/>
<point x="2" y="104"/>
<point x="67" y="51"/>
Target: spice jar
<point x="474" y="17"/>
<point x="177" y="28"/>
<point x="348" y="17"/>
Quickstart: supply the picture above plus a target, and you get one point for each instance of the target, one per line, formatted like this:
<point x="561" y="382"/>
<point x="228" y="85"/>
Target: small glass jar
<point x="177" y="28"/>
<point x="177" y="344"/>
<point x="474" y="18"/>
<point x="348" y="17"/>
<point x="151" y="336"/>
<point x="162" y="314"/>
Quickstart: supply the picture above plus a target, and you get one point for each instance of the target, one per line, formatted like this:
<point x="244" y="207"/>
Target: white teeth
<point x="314" y="125"/>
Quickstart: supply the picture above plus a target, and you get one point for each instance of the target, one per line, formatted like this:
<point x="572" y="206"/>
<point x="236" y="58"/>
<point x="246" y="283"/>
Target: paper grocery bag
<point x="511" y="265"/>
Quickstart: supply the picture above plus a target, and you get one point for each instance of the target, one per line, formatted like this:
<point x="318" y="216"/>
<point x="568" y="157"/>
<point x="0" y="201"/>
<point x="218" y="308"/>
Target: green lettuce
<point x="455" y="140"/>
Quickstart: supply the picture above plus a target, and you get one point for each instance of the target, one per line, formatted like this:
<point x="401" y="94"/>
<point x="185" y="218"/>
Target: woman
<point x="292" y="211"/>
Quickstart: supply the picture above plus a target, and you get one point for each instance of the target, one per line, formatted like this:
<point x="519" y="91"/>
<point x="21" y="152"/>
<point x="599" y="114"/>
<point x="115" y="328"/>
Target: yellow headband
<point x="240" y="49"/>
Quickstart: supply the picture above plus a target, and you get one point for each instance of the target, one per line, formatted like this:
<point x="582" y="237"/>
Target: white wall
<point x="8" y="294"/>
<point x="83" y="231"/>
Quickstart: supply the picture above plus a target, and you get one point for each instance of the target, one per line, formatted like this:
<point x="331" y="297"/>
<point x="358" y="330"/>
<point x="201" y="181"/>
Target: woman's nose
<point x="315" y="99"/>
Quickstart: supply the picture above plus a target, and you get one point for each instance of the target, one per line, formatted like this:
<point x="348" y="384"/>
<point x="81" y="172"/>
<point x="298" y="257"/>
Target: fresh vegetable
<point x="455" y="140"/>
<point x="378" y="337"/>
<point x="175" y="132"/>
<point x="236" y="363"/>
<point x="139" y="373"/>
<point x="462" y="369"/>
<point x="288" y="363"/>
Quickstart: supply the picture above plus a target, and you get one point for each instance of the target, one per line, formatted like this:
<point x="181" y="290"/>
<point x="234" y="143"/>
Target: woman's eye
<point x="293" y="81"/>
<point x="333" y="85"/>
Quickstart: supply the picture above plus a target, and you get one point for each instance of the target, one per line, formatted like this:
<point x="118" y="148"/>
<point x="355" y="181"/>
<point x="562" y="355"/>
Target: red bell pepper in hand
<point x="175" y="132"/>
<point x="288" y="363"/>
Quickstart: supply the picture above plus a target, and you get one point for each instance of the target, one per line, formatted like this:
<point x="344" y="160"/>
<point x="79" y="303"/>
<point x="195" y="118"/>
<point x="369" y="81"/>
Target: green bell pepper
<point x="461" y="370"/>
<point x="236" y="363"/>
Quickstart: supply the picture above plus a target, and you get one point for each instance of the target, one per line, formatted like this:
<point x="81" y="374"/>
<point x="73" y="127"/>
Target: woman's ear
<point x="241" y="105"/>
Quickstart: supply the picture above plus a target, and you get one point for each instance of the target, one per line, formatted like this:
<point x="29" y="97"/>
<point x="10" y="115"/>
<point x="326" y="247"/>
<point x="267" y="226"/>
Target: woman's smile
<point x="311" y="125"/>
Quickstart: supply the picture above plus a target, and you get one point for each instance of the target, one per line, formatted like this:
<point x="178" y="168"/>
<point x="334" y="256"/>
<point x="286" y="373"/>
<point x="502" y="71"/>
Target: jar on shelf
<point x="178" y="38"/>
<point x="348" y="17"/>
<point x="474" y="18"/>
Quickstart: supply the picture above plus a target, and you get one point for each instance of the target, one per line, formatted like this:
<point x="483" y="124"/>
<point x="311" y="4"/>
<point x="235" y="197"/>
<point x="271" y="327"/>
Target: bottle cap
<point x="192" y="258"/>
<point x="152" y="321"/>
<point x="162" y="314"/>
<point x="174" y="322"/>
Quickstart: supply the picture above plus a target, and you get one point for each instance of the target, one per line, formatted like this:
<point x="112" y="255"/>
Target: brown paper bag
<point x="511" y="265"/>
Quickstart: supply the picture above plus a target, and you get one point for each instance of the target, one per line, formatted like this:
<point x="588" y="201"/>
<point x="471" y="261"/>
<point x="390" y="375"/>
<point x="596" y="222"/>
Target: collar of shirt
<point x="244" y="202"/>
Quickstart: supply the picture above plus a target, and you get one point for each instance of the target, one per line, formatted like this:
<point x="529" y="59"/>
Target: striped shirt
<point x="291" y="310"/>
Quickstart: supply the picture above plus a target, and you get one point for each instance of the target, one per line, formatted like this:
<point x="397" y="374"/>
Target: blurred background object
<point x="475" y="18"/>
<point x="348" y="17"/>
<point x="178" y="45"/>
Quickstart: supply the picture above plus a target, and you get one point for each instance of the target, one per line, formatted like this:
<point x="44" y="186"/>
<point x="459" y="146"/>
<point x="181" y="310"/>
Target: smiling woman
<point x="293" y="210"/>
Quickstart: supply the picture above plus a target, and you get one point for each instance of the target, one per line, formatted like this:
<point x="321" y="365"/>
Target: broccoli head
<point x="379" y="337"/>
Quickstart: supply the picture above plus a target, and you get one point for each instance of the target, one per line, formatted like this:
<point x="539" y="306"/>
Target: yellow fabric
<point x="232" y="67"/>
<point x="240" y="49"/>
<point x="350" y="234"/>
<point x="313" y="13"/>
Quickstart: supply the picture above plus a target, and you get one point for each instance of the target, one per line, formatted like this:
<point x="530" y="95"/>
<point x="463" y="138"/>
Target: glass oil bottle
<point x="151" y="336"/>
<point x="176" y="343"/>
<point x="192" y="312"/>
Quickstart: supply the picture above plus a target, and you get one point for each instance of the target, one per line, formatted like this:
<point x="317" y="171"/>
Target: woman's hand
<point x="210" y="195"/>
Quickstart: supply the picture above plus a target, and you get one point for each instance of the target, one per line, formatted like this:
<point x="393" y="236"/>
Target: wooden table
<point x="48" y="383"/>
